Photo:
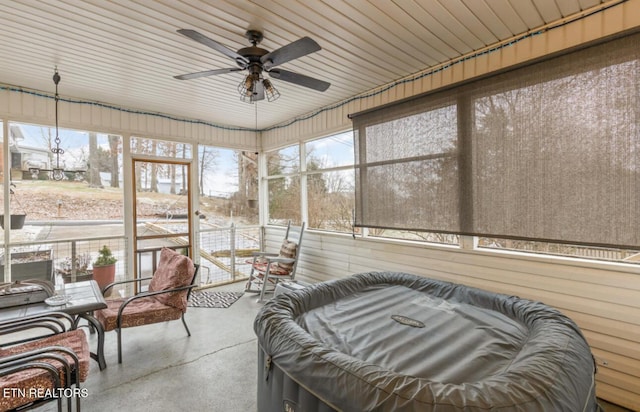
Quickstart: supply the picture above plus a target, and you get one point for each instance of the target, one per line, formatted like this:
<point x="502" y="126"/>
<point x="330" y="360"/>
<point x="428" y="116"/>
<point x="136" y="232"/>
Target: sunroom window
<point x="330" y="182"/>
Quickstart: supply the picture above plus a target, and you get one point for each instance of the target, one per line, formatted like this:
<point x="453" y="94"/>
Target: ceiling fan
<point x="257" y="61"/>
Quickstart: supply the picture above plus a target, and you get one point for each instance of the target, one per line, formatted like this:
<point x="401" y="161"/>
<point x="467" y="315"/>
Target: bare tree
<point x="154" y="167"/>
<point x="207" y="163"/>
<point x="172" y="168"/>
<point x="94" y="161"/>
<point x="114" y="143"/>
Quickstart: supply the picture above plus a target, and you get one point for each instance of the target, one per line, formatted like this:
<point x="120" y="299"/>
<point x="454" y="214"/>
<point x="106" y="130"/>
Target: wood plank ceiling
<point x="126" y="52"/>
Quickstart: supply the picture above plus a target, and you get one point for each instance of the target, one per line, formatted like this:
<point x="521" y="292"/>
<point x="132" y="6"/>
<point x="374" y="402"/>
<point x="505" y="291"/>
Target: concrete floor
<point x="165" y="370"/>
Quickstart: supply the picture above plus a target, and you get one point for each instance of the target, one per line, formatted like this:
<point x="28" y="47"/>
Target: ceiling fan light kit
<point x="257" y="61"/>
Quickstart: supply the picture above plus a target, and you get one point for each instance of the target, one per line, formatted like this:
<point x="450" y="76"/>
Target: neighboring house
<point x="24" y="157"/>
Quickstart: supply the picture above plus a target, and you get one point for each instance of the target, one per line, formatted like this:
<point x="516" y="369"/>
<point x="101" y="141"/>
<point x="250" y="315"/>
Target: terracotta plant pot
<point x="104" y="275"/>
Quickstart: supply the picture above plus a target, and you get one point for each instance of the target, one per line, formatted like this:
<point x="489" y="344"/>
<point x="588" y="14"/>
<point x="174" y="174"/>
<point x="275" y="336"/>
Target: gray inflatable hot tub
<point x="400" y="342"/>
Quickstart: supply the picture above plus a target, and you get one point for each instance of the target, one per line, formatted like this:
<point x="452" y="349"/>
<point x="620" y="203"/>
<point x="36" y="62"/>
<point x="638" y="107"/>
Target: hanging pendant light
<point x="57" y="172"/>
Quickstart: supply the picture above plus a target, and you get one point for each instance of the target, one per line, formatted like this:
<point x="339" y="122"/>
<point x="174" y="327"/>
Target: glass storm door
<point x="161" y="210"/>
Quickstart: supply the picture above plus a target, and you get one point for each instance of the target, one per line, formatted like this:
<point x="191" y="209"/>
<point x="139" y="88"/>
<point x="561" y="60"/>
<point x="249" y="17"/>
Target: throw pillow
<point x="287" y="250"/>
<point x="174" y="270"/>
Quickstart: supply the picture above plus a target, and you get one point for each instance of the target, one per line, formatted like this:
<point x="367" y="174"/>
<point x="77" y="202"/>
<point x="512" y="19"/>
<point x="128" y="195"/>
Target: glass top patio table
<point x="84" y="298"/>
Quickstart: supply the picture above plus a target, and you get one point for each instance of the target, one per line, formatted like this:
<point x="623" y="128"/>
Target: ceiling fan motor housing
<point x="253" y="54"/>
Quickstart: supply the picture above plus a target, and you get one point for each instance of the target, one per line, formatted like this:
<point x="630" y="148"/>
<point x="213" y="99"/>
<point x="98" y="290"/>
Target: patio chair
<point x="267" y="269"/>
<point x="165" y="300"/>
<point x="48" y="355"/>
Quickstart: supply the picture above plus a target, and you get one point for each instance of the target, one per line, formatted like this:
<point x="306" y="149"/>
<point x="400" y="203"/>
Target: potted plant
<point x="75" y="271"/>
<point x="104" y="267"/>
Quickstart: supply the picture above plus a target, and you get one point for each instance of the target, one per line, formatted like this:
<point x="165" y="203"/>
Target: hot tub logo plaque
<point x="407" y="321"/>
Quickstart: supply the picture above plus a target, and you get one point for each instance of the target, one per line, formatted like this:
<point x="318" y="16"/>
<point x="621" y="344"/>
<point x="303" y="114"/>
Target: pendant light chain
<point x="57" y="150"/>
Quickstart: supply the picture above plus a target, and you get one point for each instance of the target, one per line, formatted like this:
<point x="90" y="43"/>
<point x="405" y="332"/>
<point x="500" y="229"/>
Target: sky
<point x="333" y="151"/>
<point x="222" y="181"/>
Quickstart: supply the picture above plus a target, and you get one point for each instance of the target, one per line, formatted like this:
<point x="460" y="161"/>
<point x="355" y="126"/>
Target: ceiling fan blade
<point x="298" y="48"/>
<point x="202" y="39"/>
<point x="207" y="73"/>
<point x="300" y="79"/>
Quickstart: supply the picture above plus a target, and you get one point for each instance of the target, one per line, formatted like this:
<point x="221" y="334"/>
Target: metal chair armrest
<point x="258" y="254"/>
<point x="121" y="282"/>
<point x="51" y="323"/>
<point x="280" y="260"/>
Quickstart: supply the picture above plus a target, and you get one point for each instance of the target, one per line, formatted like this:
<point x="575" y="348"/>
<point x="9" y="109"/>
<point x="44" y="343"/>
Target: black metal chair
<point x="166" y="299"/>
<point x="54" y="356"/>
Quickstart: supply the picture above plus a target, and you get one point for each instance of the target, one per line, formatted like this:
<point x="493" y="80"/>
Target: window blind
<point x="547" y="152"/>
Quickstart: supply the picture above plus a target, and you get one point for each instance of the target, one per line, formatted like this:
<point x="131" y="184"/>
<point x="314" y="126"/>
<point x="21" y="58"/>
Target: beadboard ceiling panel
<point x="126" y="52"/>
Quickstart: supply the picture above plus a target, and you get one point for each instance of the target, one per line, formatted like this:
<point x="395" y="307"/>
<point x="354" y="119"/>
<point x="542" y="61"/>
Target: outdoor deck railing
<point x="223" y="255"/>
<point x="66" y="260"/>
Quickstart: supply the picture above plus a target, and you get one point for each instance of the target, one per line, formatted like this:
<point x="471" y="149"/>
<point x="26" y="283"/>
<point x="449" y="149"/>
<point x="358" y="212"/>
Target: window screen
<point x="546" y="152"/>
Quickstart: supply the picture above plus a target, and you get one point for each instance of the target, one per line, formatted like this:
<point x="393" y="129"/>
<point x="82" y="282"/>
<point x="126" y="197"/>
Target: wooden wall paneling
<point x="436" y="79"/>
<point x="610" y="327"/>
<point x="22" y="104"/>
<point x="619" y="396"/>
<point x="630" y="15"/>
<point x="494" y="60"/>
<point x="124" y="125"/>
<point x="41" y="108"/>
<point x="457" y="72"/>
<point x="481" y="64"/>
<point x="622" y="347"/>
<point x="618" y="379"/>
<point x="469" y="68"/>
<point x="115" y="120"/>
<point x="4" y="102"/>
<point x="612" y="20"/>
<point x="593" y="27"/>
<point x="614" y="361"/>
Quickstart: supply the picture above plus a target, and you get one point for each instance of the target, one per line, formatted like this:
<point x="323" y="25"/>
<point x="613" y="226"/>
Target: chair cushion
<point x="174" y="270"/>
<point x="275" y="269"/>
<point x="140" y="312"/>
<point x="38" y="380"/>
<point x="287" y="250"/>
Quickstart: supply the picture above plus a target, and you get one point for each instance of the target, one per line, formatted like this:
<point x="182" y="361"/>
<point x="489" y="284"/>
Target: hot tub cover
<point x="400" y="342"/>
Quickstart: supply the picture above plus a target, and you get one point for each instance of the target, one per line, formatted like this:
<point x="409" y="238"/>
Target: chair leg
<point x="184" y="322"/>
<point x="118" y="331"/>
<point x="248" y="287"/>
<point x="253" y="277"/>
<point x="265" y="280"/>
<point x="77" y="397"/>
